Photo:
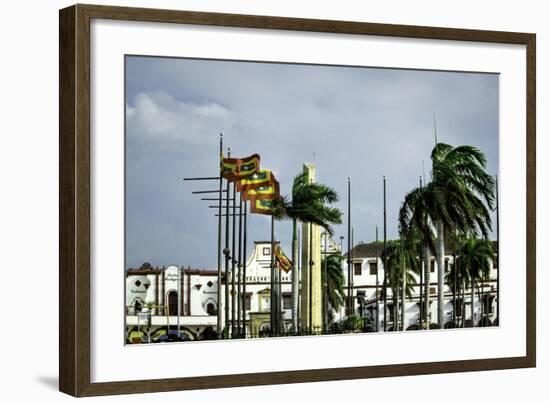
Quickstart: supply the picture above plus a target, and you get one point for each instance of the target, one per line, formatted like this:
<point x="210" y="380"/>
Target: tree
<point x="402" y="262"/>
<point x="334" y="281"/>
<point x="457" y="198"/>
<point x="458" y="278"/>
<point x="475" y="259"/>
<point x="309" y="204"/>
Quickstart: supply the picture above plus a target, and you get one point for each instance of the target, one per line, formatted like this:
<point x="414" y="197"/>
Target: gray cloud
<point x="349" y="121"/>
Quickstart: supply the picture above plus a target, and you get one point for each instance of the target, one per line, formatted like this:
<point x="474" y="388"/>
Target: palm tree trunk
<point x="427" y="257"/>
<point x="403" y="292"/>
<point x="295" y="275"/>
<point x="472" y="293"/>
<point x="440" y="254"/>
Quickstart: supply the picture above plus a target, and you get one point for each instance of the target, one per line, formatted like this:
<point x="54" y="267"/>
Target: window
<point x="287" y="301"/>
<point x="357" y="269"/>
<point x="211" y="309"/>
<point x="373" y="268"/>
<point x="247" y="299"/>
<point x="432" y="291"/>
<point x="172" y="303"/>
<point x="446" y="265"/>
<point x="432" y="266"/>
<point x="267" y="251"/>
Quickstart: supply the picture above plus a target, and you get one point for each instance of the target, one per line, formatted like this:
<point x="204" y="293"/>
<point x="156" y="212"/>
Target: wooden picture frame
<point x="74" y="202"/>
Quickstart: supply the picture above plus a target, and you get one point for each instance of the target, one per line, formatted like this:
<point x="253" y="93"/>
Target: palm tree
<point x="458" y="278"/>
<point x="457" y="198"/>
<point x="334" y="280"/>
<point x="476" y="256"/>
<point x="459" y="175"/>
<point x="402" y="262"/>
<point x="309" y="204"/>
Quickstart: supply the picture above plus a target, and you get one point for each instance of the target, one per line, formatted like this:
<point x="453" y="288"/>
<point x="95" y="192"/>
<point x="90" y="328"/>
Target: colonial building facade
<point x="367" y="266"/>
<point x="173" y="299"/>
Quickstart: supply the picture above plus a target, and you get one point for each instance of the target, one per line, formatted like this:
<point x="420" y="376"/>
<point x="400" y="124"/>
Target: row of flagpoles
<point x="260" y="188"/>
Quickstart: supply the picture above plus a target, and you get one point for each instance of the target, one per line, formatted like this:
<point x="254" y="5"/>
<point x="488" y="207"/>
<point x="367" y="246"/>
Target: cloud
<point x="358" y="122"/>
<point x="157" y="116"/>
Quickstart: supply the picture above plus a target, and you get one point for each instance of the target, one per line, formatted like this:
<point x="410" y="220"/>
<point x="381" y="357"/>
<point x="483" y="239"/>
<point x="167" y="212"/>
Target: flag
<point x="262" y="206"/>
<point x="282" y="259"/>
<point x="268" y="191"/>
<point x="258" y="179"/>
<point x="237" y="169"/>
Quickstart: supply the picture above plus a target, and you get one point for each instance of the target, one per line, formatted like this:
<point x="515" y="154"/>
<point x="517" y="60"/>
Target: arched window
<point x="173" y="303"/>
<point x="210" y="308"/>
<point x="137" y="306"/>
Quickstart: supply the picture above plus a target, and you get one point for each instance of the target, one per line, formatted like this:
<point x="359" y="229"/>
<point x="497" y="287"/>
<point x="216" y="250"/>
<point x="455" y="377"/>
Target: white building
<point x="161" y="299"/>
<point x="365" y="265"/>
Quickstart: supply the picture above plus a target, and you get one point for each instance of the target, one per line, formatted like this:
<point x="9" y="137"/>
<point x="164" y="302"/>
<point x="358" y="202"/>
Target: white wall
<point x="28" y="203"/>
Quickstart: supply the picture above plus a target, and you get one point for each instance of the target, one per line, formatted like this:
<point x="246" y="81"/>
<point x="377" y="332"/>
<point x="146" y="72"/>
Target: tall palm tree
<point x="402" y="263"/>
<point x="476" y="256"/>
<point x="457" y="198"/>
<point x="459" y="173"/>
<point x="310" y="203"/>
<point x="458" y="278"/>
<point x="334" y="280"/>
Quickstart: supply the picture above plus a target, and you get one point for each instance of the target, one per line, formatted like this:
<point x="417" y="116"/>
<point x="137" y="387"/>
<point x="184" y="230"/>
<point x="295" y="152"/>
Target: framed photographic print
<point x="250" y="200"/>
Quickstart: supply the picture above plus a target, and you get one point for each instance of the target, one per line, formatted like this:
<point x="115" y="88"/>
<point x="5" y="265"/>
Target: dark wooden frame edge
<point x="74" y="199"/>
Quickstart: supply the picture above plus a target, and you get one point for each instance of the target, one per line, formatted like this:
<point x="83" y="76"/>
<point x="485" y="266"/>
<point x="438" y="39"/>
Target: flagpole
<point x="279" y="298"/>
<point x="385" y="284"/>
<point x="310" y="277"/>
<point x="352" y="298"/>
<point x="298" y="270"/>
<point x="233" y="265"/>
<point x="272" y="278"/>
<point x="421" y="300"/>
<point x="377" y="286"/>
<point x="219" y="289"/>
<point x="325" y="288"/>
<point x="239" y="264"/>
<point x="498" y="251"/>
<point x="178" y="286"/>
<point x="348" y="306"/>
<point x="226" y="253"/>
<point x="244" y="267"/>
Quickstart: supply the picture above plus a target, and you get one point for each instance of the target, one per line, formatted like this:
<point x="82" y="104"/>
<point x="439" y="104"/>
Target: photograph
<point x="265" y="200"/>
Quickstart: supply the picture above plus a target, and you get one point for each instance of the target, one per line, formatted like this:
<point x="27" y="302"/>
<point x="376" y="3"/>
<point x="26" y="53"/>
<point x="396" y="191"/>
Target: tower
<point x="311" y="293"/>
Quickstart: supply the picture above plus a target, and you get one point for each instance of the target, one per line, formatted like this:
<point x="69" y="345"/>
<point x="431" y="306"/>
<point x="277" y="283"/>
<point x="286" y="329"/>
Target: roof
<point x="369" y="250"/>
<point x="158" y="270"/>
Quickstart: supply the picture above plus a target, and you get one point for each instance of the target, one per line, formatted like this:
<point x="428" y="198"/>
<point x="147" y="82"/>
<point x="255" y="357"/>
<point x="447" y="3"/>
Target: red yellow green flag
<point x="237" y="169"/>
<point x="262" y="206"/>
<point x="258" y="179"/>
<point x="284" y="262"/>
<point x="268" y="191"/>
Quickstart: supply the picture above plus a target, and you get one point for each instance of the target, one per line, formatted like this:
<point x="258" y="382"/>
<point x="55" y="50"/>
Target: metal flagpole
<point x="233" y="266"/>
<point x="352" y="298"/>
<point x="219" y="314"/>
<point x="226" y="253"/>
<point x="244" y="268"/>
<point x="178" y="286"/>
<point x="348" y="303"/>
<point x="385" y="284"/>
<point x="272" y="278"/>
<point x="421" y="300"/>
<point x="325" y="287"/>
<point x="310" y="276"/>
<point x="377" y="286"/>
<point x="498" y="251"/>
<point x="239" y="264"/>
<point x="299" y="272"/>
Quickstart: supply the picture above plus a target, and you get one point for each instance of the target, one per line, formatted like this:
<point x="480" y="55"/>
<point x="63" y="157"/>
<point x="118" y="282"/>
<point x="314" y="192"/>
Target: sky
<point x="357" y="122"/>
